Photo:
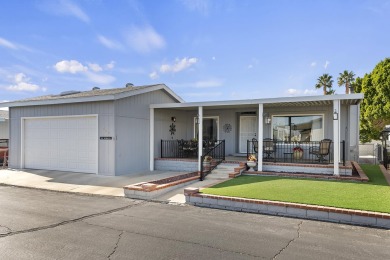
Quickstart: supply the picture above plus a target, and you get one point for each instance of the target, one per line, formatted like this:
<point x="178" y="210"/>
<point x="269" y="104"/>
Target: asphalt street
<point x="38" y="224"/>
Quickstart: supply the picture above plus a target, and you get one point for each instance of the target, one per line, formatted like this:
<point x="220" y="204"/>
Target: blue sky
<point x="203" y="50"/>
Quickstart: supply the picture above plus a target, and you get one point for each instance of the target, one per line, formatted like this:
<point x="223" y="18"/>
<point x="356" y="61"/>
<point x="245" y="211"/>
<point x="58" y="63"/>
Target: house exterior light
<point x="267" y="119"/>
<point x="335" y="115"/>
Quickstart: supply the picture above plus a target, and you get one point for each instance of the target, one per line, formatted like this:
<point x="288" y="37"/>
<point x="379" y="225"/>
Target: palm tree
<point x="346" y="78"/>
<point x="325" y="82"/>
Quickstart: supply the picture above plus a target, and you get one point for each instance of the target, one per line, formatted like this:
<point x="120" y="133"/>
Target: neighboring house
<point x="99" y="131"/>
<point x="4" y="123"/>
<point x="121" y="131"/>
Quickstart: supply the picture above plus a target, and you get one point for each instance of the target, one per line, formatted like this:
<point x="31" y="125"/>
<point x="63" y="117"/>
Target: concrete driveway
<point x="78" y="182"/>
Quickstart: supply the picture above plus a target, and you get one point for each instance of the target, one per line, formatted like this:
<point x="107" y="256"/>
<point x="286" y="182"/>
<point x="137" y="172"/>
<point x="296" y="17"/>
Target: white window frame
<point x="208" y="117"/>
<point x="280" y="115"/>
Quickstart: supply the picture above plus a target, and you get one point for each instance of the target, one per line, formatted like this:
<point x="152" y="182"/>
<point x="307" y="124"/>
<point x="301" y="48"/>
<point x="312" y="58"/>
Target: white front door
<point x="248" y="130"/>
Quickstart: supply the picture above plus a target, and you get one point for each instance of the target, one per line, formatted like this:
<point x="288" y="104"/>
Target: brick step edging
<point x="330" y="214"/>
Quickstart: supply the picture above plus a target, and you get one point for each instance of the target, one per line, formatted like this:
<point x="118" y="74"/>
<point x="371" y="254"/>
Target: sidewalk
<point x="77" y="182"/>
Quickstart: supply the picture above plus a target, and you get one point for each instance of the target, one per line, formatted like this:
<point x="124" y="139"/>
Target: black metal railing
<point x="4" y="143"/>
<point x="216" y="155"/>
<point x="185" y="148"/>
<point x="296" y="152"/>
<point x="386" y="159"/>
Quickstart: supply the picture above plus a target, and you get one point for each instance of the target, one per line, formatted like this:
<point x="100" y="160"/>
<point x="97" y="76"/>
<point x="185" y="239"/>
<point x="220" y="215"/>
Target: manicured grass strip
<point x="371" y="196"/>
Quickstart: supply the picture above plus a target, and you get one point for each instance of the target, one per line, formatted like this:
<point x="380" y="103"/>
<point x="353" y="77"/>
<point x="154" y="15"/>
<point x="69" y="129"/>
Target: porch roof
<point x="350" y="99"/>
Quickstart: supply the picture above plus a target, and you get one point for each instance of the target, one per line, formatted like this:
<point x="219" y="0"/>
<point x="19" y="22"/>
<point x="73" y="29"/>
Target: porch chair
<point x="322" y="150"/>
<point x="269" y="147"/>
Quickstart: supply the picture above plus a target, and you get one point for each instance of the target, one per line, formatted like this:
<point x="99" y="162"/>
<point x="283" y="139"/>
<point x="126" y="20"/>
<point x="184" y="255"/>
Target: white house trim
<point x="336" y="138"/>
<point x="151" y="139"/>
<point x="200" y="137"/>
<point x="260" y="139"/>
<point x="93" y="98"/>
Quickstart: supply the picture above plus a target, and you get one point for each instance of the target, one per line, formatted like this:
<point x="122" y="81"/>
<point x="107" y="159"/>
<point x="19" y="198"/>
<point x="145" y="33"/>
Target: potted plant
<point x="207" y="160"/>
<point x="252" y="161"/>
<point x="297" y="152"/>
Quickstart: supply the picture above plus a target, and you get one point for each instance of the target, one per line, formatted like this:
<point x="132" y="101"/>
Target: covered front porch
<point x="320" y="131"/>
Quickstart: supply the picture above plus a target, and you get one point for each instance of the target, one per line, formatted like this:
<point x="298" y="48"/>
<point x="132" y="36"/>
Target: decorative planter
<point x="297" y="155"/>
<point x="251" y="164"/>
<point x="206" y="166"/>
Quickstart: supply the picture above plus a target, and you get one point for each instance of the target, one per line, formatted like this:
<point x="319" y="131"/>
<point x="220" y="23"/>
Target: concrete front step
<point x="222" y="171"/>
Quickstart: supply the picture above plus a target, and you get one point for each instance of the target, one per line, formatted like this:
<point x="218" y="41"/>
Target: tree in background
<point x="375" y="107"/>
<point x="346" y="78"/>
<point x="325" y="82"/>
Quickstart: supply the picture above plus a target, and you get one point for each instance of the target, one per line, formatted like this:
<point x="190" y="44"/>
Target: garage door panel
<point x="63" y="143"/>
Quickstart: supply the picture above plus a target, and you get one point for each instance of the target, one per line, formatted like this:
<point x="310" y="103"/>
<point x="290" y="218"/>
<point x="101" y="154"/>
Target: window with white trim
<point x="298" y="128"/>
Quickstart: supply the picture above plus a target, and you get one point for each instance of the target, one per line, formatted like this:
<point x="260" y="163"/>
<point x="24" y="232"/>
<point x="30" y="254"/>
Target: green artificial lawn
<point x="372" y="196"/>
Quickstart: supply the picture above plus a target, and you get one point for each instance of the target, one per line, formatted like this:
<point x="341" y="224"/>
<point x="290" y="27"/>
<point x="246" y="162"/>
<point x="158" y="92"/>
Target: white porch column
<point x="260" y="139"/>
<point x="336" y="137"/>
<point x="200" y="136"/>
<point x="151" y="139"/>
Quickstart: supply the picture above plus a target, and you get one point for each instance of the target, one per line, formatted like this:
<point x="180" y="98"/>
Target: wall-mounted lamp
<point x="335" y="115"/>
<point x="173" y="119"/>
<point x="267" y="118"/>
<point x="197" y="119"/>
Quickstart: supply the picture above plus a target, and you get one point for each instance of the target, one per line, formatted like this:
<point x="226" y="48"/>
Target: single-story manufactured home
<point x="132" y="129"/>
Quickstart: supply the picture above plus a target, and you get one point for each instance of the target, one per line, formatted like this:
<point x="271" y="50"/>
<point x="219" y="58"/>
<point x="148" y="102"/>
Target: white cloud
<point x="201" y="6"/>
<point x="178" y="65"/>
<point x="7" y="44"/>
<point x="72" y="9"/>
<point x="71" y="66"/>
<point x="213" y="58"/>
<point x="144" y="40"/>
<point x="102" y="79"/>
<point x="154" y="75"/>
<point x="109" y="43"/>
<point x="296" y="92"/>
<point x="110" y="65"/>
<point x="313" y="64"/>
<point x="212" y="83"/>
<point x="326" y="64"/>
<point x="95" y="67"/>
<point x="310" y="92"/>
<point x="14" y="46"/>
<point x="250" y="66"/>
<point x="292" y="91"/>
<point x="64" y="8"/>
<point x="22" y="83"/>
<point x="92" y="73"/>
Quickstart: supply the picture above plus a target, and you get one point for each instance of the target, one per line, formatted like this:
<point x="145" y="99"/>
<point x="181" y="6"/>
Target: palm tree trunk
<point x="346" y="88"/>
<point x="324" y="90"/>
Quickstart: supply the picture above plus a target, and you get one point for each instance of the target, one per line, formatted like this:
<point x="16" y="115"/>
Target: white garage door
<point x="61" y="143"/>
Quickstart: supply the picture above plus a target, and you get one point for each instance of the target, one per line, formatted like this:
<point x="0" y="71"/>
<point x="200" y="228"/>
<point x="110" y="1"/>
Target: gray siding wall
<point x="232" y="117"/>
<point x="4" y="129"/>
<point x="132" y="130"/>
<point x="104" y="110"/>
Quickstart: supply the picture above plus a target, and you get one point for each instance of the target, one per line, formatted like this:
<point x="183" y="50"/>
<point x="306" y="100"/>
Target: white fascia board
<point x="147" y="90"/>
<point x="57" y="101"/>
<point x="261" y="101"/>
<point x="91" y="98"/>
